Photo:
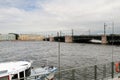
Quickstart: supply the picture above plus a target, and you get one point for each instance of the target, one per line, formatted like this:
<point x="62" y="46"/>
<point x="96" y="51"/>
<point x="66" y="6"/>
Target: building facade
<point x="30" y="37"/>
<point x="7" y="37"/>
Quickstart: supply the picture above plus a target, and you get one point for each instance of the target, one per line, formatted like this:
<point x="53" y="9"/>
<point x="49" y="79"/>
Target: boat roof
<point x="14" y="67"/>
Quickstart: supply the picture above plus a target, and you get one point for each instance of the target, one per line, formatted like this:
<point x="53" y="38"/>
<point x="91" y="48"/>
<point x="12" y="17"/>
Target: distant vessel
<point x="22" y="70"/>
<point x="96" y="41"/>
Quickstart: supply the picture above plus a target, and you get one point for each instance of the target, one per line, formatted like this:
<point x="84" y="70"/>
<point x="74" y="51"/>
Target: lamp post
<point x="105" y="29"/>
<point x="72" y="34"/>
<point x="112" y="49"/>
<point x="104" y="37"/>
<point x="112" y="38"/>
<point x="89" y="32"/>
<point x="59" y="74"/>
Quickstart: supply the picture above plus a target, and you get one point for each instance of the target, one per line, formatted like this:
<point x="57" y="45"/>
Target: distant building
<point x="7" y="37"/>
<point x="16" y="35"/>
<point x="30" y="37"/>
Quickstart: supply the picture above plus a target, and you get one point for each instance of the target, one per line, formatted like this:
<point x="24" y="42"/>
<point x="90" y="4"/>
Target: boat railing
<point x="35" y="77"/>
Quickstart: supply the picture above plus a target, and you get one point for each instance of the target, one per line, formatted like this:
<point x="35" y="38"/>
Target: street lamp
<point x="105" y="29"/>
<point x="112" y="49"/>
<point x="112" y="39"/>
<point x="59" y="74"/>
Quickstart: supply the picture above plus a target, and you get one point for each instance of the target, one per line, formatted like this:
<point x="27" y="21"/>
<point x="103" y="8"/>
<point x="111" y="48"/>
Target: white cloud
<point x="84" y="13"/>
<point x="51" y="15"/>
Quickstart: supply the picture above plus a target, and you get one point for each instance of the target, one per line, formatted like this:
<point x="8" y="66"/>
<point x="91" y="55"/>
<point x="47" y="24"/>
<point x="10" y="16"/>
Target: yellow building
<point x="31" y="37"/>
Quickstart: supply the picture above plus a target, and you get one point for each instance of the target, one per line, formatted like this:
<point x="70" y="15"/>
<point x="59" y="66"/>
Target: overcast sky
<point x="54" y="15"/>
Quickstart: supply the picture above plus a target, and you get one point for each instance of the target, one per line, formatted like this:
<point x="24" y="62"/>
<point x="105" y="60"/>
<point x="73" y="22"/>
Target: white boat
<point x="96" y="41"/>
<point x="22" y="70"/>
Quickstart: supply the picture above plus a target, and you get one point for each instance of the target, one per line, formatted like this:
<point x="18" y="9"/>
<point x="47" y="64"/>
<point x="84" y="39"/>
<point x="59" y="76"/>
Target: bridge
<point x="105" y="39"/>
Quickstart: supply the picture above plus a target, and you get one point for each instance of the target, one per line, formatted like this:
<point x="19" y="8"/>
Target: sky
<point x="32" y="16"/>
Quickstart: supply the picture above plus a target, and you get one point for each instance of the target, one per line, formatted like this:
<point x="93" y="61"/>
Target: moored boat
<point x="96" y="41"/>
<point x="22" y="70"/>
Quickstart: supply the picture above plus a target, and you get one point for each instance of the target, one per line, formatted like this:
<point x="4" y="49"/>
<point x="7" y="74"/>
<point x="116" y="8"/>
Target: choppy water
<point x="72" y="54"/>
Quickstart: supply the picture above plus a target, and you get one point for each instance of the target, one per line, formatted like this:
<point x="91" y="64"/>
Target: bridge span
<point x="105" y="39"/>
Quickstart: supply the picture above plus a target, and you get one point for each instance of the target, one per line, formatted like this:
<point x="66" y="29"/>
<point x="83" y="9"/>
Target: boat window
<point x="27" y="72"/>
<point x="4" y="71"/>
<point x="22" y="75"/>
<point x="4" y="78"/>
<point x="15" y="76"/>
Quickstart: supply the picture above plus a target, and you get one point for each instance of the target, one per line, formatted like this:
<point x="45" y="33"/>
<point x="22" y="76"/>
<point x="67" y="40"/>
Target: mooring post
<point x="85" y="75"/>
<point x="112" y="69"/>
<point x="95" y="75"/>
<point x="73" y="74"/>
<point x="104" y="71"/>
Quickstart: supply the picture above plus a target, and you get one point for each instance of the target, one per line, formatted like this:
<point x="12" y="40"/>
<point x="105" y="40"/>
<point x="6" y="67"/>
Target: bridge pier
<point x="68" y="39"/>
<point x="51" y="39"/>
<point x="104" y="39"/>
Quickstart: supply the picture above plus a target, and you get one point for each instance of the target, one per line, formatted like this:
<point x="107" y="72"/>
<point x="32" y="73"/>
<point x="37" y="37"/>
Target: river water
<point x="72" y="54"/>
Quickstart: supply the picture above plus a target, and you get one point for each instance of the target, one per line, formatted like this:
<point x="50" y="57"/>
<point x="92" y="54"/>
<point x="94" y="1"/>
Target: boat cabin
<point x="15" y="70"/>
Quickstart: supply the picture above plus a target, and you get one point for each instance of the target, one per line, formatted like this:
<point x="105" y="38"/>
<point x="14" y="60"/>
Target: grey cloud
<point x="61" y="15"/>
